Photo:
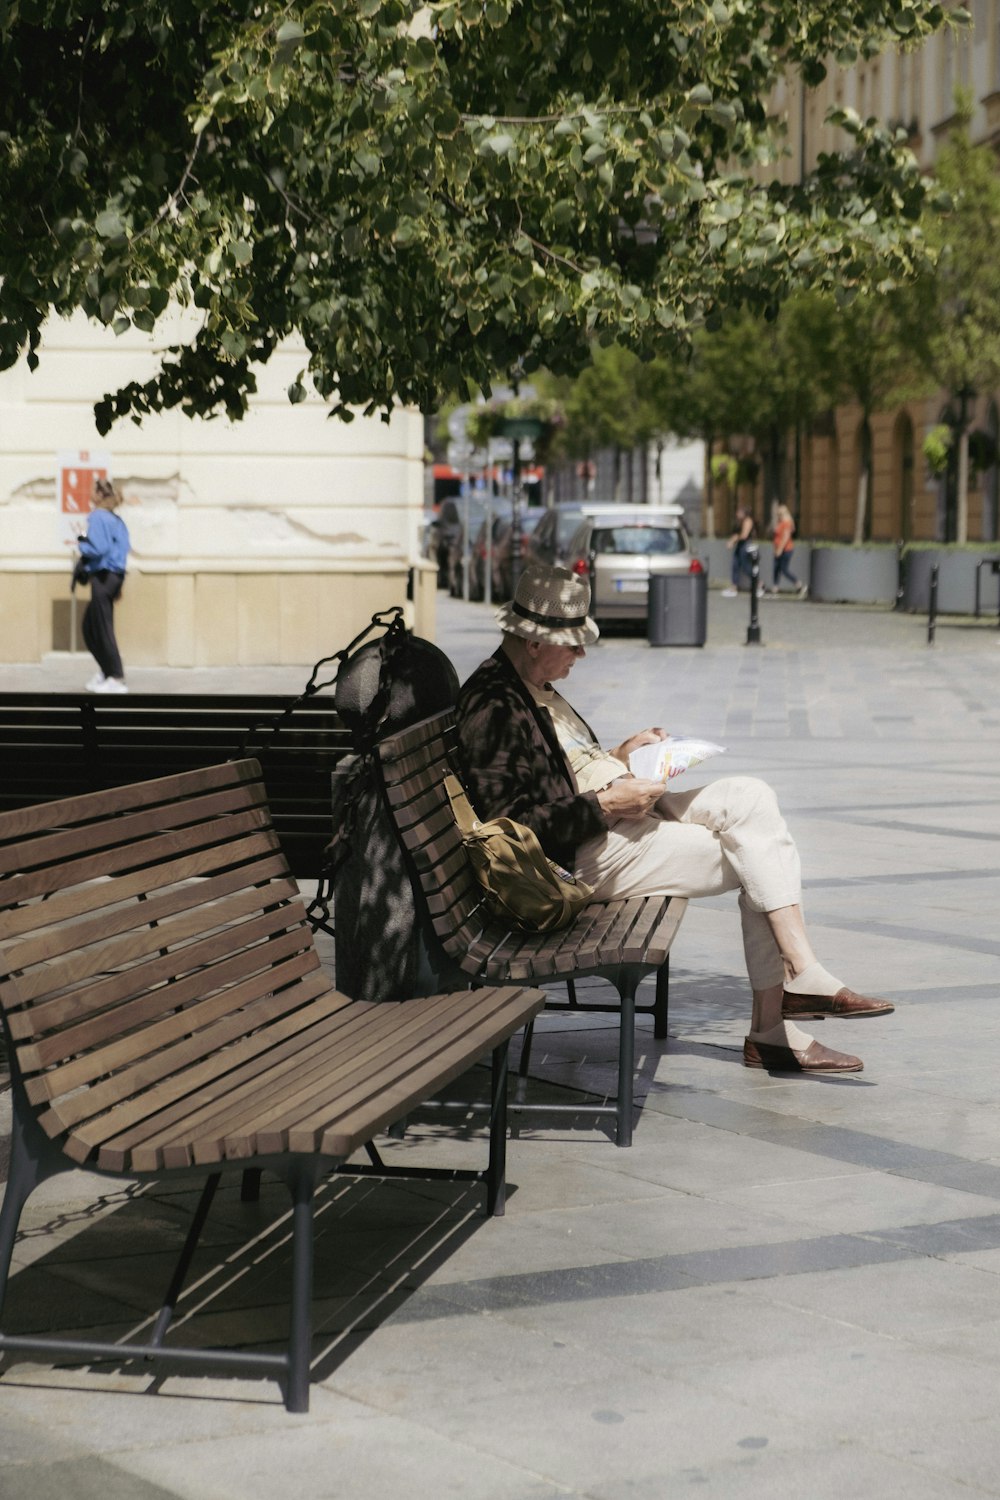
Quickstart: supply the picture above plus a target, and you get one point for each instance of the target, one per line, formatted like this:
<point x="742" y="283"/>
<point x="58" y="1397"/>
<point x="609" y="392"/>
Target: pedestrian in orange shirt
<point x="784" y="546"/>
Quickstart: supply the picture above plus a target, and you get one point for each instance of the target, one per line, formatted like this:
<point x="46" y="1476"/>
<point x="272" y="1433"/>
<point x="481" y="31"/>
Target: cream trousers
<point x="729" y="835"/>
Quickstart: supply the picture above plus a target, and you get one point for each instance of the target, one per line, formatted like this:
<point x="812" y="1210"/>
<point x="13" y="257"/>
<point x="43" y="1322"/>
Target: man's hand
<point x="629" y="797"/>
<point x="644" y="737"/>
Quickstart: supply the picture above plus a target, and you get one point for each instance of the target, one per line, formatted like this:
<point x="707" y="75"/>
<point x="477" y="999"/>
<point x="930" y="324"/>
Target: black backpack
<point x="378" y="916"/>
<point x="378" y="920"/>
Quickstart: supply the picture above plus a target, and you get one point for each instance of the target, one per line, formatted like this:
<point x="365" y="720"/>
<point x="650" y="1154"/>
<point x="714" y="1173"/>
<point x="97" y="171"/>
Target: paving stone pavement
<point x="786" y="1287"/>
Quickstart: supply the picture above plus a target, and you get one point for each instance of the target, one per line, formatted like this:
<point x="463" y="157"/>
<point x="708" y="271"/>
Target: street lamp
<point x="518" y="430"/>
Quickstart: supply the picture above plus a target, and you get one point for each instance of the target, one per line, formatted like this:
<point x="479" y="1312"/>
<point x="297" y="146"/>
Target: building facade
<point x="914" y="89"/>
<point x="267" y="541"/>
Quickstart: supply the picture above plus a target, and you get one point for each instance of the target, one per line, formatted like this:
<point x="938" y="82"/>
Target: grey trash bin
<point x="678" y="609"/>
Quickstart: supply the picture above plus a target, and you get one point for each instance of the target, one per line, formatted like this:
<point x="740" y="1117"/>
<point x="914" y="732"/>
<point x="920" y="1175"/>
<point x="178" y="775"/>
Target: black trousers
<point x="99" y="621"/>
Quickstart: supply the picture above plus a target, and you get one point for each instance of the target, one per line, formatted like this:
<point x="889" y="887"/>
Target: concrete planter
<point x="956" y="581"/>
<point x="715" y="555"/>
<point x="717" y="558"/>
<point x="854" y="575"/>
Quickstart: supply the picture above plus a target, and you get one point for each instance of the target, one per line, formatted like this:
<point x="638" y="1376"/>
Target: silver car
<point x="618" y="546"/>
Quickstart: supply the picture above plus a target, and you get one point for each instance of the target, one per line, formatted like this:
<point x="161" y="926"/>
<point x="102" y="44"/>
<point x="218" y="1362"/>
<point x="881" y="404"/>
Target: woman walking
<point x="103" y="551"/>
<point x="784" y="546"/>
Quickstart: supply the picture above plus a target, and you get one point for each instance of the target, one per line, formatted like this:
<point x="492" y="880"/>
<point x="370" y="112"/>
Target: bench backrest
<point x="414" y="765"/>
<point x="151" y="940"/>
<point x="58" y="745"/>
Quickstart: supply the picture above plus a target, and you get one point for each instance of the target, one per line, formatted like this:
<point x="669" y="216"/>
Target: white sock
<point x="815" y="980"/>
<point x="785" y="1034"/>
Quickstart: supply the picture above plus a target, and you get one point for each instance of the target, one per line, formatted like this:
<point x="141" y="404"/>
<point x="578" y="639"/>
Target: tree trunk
<point x="962" y="497"/>
<point x="861" y="510"/>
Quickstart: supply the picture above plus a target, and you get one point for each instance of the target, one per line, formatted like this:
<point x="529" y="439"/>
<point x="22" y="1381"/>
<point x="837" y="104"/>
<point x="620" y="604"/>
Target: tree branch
<point x="175" y="195"/>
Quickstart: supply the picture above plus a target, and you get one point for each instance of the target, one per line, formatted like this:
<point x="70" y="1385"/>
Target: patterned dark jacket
<point x="513" y="766"/>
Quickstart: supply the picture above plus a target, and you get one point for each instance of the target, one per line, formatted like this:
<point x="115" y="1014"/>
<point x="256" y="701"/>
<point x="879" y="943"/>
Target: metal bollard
<point x="932" y="613"/>
<point x="753" y="629"/>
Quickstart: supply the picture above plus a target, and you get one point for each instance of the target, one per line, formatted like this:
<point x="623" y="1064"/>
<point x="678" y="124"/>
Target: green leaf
<point x="109" y="225"/>
<point x="290" y="32"/>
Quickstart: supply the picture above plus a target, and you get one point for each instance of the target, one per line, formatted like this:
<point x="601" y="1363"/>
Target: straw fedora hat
<point x="550" y="604"/>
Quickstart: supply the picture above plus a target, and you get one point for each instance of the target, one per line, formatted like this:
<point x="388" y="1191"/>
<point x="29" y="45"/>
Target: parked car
<point x="554" y="531"/>
<point x="617" y="546"/>
<point x="501" y="512"/>
<point x="442" y="532"/>
<point x="532" y="517"/>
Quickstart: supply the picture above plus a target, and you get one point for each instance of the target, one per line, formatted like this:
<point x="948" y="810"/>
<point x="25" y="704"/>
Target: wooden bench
<point x="620" y="941"/>
<point x="55" y="745"/>
<point x="166" y="1013"/>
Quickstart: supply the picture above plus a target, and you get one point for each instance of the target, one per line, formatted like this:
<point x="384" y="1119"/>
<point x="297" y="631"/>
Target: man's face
<point x="552" y="662"/>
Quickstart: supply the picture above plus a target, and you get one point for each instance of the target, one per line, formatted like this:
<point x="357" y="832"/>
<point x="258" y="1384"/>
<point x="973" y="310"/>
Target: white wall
<point x="285" y="484"/>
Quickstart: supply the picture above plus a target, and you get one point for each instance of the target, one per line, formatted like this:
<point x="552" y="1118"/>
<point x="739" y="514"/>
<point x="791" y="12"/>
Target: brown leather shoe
<point x="814" y="1059"/>
<point x="844" y="1003"/>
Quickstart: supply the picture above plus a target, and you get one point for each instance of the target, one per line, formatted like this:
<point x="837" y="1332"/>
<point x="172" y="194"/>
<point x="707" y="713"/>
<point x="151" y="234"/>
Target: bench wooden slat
<point x="49" y="879"/>
<point x="60" y="847"/>
<point x="277" y="1028"/>
<point x="79" y="900"/>
<point x="155" y="968"/>
<point x="93" y="953"/>
<point x="398" y="1099"/>
<point x="131" y="1089"/>
<point x="250" y="967"/>
<point x="97" y="805"/>
<point x="662" y="929"/>
<point x="163" y="1025"/>
<point x="378" y="1051"/>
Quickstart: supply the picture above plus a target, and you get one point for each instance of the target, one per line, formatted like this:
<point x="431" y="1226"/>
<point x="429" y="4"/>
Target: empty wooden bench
<point x="56" y="745"/>
<point x="166" y="1013"/>
<point x="621" y="941"/>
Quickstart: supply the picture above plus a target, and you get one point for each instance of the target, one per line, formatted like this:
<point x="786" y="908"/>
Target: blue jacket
<point x="106" y="542"/>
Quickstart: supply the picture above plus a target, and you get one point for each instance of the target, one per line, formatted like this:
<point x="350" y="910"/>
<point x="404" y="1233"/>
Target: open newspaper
<point x="667" y="758"/>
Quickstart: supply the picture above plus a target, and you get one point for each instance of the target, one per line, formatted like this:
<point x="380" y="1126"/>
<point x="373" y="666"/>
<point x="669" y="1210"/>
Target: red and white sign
<point x="75" y="475"/>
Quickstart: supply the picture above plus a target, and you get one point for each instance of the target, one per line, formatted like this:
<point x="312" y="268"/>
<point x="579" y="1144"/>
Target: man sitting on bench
<point x="527" y="755"/>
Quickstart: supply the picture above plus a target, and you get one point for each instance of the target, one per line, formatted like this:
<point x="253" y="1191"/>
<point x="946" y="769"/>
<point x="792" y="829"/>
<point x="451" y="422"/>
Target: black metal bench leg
<point x="496" y="1171"/>
<point x="662" y="1002"/>
<point x="303" y="1188"/>
<point x="524" y="1061"/>
<point x="250" y="1185"/>
<point x="628" y="983"/>
<point x="33" y="1159"/>
<point x="166" y="1313"/>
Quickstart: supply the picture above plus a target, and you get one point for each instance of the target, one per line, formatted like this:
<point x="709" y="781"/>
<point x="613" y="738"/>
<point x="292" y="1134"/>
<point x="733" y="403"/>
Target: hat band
<point x="565" y="622"/>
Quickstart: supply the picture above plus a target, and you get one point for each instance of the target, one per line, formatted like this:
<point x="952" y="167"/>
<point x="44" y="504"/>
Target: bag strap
<point x="460" y="805"/>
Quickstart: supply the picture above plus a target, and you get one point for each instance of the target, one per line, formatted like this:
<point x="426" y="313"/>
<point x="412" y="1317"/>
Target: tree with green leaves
<point x="952" y="313"/>
<point x="431" y="193"/>
<point x="855" y="351"/>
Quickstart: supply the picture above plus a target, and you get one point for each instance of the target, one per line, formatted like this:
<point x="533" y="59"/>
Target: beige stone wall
<point x="218" y="617"/>
<point x="269" y="540"/>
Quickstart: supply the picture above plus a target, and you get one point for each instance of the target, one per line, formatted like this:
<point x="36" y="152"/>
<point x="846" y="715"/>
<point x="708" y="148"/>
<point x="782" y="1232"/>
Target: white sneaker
<point x="95" y="683"/>
<point x="111" y="685"/>
<point x="729" y="593"/>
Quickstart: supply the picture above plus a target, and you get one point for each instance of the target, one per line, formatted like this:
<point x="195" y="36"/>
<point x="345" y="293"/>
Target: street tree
<point x="952" y="312"/>
<point x="851" y="352"/>
<point x="431" y="193"/>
